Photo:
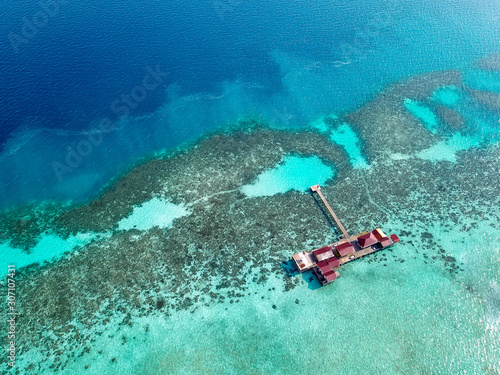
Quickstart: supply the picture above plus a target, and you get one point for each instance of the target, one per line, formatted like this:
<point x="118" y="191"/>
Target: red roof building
<point x="378" y="234"/>
<point x="385" y="241"/>
<point x="344" y="249"/>
<point x="323" y="253"/>
<point x="367" y="240"/>
<point x="328" y="265"/>
<point x="333" y="263"/>
<point x="394" y="238"/>
<point x="330" y="276"/>
<point x="323" y="266"/>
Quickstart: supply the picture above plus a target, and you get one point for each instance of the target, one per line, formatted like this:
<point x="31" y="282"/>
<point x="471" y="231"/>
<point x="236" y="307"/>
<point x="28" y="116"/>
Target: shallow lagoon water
<point x="155" y="212"/>
<point x="343" y="135"/>
<point x="372" y="308"/>
<point x="448" y="95"/>
<point x="48" y="248"/>
<point x="446" y="150"/>
<point x="433" y="295"/>
<point x="293" y="173"/>
<point x="423" y="113"/>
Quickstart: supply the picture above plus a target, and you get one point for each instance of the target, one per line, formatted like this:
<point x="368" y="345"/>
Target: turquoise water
<point x="446" y="150"/>
<point x="170" y="251"/>
<point x="293" y="173"/>
<point x="332" y="60"/>
<point x="154" y="213"/>
<point x="483" y="80"/>
<point x="448" y="95"/>
<point x="48" y="248"/>
<point x="423" y="113"/>
<point x="344" y="136"/>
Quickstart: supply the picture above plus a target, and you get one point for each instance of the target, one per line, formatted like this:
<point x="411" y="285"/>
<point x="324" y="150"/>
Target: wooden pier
<point x="325" y="260"/>
<point x="317" y="189"/>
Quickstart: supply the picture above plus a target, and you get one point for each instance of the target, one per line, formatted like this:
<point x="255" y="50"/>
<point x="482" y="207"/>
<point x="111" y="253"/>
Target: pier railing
<point x="317" y="189"/>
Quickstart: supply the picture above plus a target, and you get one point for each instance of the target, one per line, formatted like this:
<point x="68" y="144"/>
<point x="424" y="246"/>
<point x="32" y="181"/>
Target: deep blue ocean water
<point x="286" y="63"/>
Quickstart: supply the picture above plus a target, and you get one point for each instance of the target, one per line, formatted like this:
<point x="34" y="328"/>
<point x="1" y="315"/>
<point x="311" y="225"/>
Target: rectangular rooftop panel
<point x="323" y="253"/>
<point x="385" y="241"/>
<point x="344" y="249"/>
<point x="394" y="238"/>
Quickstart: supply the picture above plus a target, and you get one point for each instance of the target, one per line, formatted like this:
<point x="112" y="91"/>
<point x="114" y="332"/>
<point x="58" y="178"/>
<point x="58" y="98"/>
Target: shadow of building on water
<point x="291" y="270"/>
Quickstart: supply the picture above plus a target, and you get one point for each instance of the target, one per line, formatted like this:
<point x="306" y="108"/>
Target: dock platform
<point x="326" y="260"/>
<point x="317" y="189"/>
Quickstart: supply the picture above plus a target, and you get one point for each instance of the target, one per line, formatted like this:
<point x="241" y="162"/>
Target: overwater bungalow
<point x="326" y="260"/>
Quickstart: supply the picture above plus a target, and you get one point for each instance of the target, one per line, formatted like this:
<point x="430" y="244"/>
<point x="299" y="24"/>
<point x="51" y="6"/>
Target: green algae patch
<point x="293" y="173"/>
<point x="156" y="212"/>
<point x="447" y="95"/>
<point x="423" y="113"/>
